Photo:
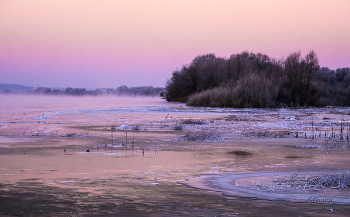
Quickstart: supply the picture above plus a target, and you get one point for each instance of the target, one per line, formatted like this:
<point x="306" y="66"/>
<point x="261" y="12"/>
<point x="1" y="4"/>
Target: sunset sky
<point x="108" y="43"/>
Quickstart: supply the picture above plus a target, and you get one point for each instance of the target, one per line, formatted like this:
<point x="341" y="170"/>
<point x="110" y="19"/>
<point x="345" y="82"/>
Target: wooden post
<point x="341" y="130"/>
<point x="347" y="134"/>
<point x="126" y="138"/>
<point x="332" y="132"/>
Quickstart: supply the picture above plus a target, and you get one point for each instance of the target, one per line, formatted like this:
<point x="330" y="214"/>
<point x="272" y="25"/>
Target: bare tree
<point x="299" y="75"/>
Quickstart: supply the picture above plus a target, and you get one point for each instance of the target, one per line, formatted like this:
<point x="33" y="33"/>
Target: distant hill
<point x="14" y="88"/>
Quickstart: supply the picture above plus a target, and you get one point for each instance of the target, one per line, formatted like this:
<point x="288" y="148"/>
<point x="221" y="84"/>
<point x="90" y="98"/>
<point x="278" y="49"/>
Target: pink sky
<point x="90" y="43"/>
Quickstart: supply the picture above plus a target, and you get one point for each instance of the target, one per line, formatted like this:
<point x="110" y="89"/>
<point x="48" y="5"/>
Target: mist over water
<point x="13" y="104"/>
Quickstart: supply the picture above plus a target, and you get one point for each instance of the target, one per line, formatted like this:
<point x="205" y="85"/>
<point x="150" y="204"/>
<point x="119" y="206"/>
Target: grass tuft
<point x="178" y="126"/>
<point x="202" y="136"/>
<point x="137" y="127"/>
<point x="192" y="122"/>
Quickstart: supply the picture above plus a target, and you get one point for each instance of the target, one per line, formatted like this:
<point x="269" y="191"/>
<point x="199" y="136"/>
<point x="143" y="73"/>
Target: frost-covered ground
<point x="273" y="123"/>
<point x="126" y="156"/>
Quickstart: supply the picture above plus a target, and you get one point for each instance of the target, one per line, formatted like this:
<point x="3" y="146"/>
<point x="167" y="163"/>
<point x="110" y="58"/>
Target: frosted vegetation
<point x="249" y="80"/>
<point x="205" y="135"/>
<point x="316" y="182"/>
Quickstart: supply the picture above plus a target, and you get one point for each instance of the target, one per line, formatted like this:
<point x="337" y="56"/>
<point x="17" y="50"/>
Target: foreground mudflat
<point x="62" y="156"/>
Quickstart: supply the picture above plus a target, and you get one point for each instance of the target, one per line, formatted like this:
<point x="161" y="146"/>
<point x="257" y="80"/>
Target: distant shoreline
<point x="119" y="91"/>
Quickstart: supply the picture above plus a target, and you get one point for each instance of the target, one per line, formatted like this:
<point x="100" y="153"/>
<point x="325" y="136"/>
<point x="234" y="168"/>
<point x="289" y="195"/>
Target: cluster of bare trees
<point x="14" y="89"/>
<point x="139" y="91"/>
<point x="122" y="90"/>
<point x="256" y="80"/>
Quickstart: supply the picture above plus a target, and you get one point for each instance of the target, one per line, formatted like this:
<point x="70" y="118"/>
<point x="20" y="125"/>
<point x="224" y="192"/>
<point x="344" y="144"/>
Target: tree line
<point x="122" y="90"/>
<point x="248" y="80"/>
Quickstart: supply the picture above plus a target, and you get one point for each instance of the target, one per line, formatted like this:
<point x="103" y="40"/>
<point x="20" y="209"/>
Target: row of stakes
<point x="123" y="144"/>
<point x="332" y="135"/>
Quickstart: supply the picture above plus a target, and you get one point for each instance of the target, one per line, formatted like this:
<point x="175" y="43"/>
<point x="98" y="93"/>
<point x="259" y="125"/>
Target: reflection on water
<point x="13" y="104"/>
